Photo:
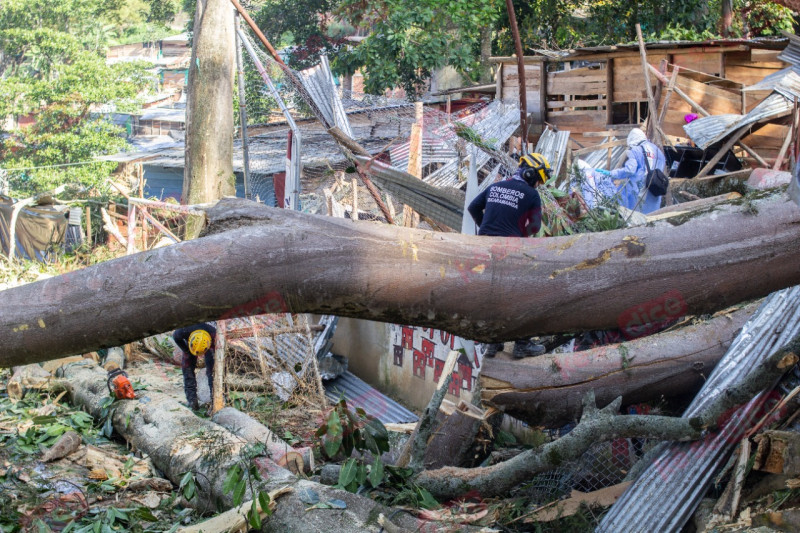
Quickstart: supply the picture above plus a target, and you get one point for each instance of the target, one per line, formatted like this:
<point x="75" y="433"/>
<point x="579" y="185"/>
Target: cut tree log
<point x="31" y="377"/>
<point x="483" y="288"/>
<point x="65" y="445"/>
<point x="296" y="460"/>
<point x="548" y="390"/>
<point x="452" y="440"/>
<point x="177" y="442"/>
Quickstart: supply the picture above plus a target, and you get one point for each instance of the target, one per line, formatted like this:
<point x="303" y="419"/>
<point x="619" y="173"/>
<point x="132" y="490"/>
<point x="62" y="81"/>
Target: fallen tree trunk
<point x="177" y="442"/>
<point x="602" y="425"/>
<point x="481" y="288"/>
<point x="548" y="390"/>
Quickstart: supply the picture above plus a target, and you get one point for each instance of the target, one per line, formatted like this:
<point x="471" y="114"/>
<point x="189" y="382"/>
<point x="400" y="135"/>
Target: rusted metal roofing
<point x="667" y="493"/>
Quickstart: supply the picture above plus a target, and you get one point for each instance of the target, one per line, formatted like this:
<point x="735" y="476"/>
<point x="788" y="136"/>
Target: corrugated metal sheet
<point x="708" y="130"/>
<point x="667" y="493"/>
<point x="495" y="123"/>
<point x="791" y="54"/>
<point x="318" y="82"/>
<point x="445" y="206"/>
<point x="786" y="82"/>
<point x="358" y="393"/>
<point x="553" y="146"/>
<point x="599" y="158"/>
<point x="703" y="131"/>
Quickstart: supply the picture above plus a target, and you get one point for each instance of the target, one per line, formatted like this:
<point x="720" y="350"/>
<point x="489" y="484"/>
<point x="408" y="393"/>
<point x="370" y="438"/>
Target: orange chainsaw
<point x="119" y="385"/>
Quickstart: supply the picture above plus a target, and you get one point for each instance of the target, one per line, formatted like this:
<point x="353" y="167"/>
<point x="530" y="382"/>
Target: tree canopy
<point x="401" y="42"/>
<point x="53" y="75"/>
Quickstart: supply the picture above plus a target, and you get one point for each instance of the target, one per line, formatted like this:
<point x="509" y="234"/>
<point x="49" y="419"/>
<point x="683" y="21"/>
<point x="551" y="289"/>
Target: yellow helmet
<point x="537" y="162"/>
<point x="199" y="342"/>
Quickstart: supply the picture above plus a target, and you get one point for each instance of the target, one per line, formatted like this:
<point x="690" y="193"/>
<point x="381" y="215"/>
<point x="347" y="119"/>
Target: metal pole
<point x="523" y="97"/>
<point x="242" y="111"/>
<point x="295" y="163"/>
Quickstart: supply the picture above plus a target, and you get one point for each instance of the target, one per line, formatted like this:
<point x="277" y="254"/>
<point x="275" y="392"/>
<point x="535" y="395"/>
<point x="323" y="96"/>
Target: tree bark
<point x="548" y="390"/>
<point x="208" y="173"/>
<point x="483" y="288"/>
<point x="602" y="425"/>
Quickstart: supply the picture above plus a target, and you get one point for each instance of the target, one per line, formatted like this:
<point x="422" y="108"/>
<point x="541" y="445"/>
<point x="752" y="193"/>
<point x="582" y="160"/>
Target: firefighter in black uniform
<point x="196" y="341"/>
<point x="513" y="208"/>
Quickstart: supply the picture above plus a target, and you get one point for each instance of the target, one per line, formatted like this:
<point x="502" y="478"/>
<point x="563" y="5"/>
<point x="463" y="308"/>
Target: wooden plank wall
<point x="629" y="78"/>
<point x="510" y="87"/>
<point x="577" y="99"/>
<point x="715" y="100"/>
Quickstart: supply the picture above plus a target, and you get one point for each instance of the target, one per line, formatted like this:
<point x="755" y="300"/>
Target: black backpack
<point x="657" y="181"/>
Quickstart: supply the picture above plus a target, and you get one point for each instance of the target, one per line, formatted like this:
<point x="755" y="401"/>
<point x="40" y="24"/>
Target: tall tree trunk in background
<point x="486" y="53"/>
<point x="727" y="17"/>
<point x="208" y="174"/>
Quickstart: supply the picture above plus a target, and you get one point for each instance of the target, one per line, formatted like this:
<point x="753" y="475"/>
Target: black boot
<point x="492" y="349"/>
<point x="523" y="349"/>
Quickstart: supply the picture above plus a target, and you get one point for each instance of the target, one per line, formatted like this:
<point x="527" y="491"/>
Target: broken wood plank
<point x="235" y="520"/>
<point x="685" y="207"/>
<point x="481" y="288"/>
<point x="564" y="508"/>
<point x="778" y="452"/>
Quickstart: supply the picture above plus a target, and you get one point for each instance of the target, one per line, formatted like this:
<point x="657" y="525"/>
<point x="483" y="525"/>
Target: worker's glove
<point x="602" y="171"/>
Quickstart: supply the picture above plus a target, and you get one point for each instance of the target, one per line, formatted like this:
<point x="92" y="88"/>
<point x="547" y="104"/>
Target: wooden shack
<point x="601" y="88"/>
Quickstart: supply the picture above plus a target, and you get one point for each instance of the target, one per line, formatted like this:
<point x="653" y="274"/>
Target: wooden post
<point x="131" y="248"/>
<point x="542" y="95"/>
<point x="609" y="91"/>
<point x="410" y="218"/>
<point x="218" y="394"/>
<point x="354" y="215"/>
<point x="725" y="147"/>
<point x="670" y="88"/>
<point x="89" y="225"/>
<point x="523" y="97"/>
<point x="651" y="106"/>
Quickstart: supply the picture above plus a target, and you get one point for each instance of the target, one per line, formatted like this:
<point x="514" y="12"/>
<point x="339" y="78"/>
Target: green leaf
<point x="143" y="513"/>
<point x="254" y="517"/>
<point x="233" y="477"/>
<point x="263" y="502"/>
<point x="376" y="472"/>
<point x="361" y="474"/>
<point x="427" y="501"/>
<point x="348" y="473"/>
<point x="238" y="492"/>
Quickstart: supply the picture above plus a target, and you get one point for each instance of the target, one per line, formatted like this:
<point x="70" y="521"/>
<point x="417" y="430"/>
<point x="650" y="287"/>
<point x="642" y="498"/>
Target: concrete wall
<point x="405" y="362"/>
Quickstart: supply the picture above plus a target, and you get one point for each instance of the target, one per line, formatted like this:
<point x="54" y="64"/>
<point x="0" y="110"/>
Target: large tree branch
<point x="481" y="288"/>
<point x="548" y="390"/>
<point x="605" y="425"/>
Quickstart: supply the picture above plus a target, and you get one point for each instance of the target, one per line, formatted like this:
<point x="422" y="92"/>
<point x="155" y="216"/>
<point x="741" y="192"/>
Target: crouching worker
<point x="513" y="208"/>
<point x="196" y="341"/>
